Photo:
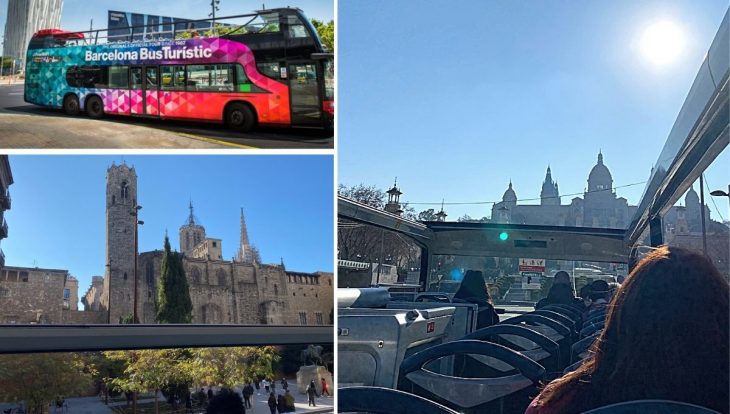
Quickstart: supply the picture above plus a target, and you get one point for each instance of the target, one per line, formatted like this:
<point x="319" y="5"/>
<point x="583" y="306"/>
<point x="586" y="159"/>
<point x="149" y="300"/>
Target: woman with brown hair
<point x="666" y="337"/>
<point x="473" y="289"/>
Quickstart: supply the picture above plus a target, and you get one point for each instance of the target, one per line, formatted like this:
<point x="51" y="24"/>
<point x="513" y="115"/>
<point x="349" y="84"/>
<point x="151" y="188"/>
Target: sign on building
<point x="532" y="271"/>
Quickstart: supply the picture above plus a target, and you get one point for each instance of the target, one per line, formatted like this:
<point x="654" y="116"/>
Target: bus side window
<point x="119" y="77"/>
<point x="173" y="77"/>
<point x="270" y="69"/>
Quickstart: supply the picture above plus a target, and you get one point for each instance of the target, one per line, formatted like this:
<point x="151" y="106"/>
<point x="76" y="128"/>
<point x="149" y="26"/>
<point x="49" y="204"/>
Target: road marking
<point x="15" y="93"/>
<point x="215" y="141"/>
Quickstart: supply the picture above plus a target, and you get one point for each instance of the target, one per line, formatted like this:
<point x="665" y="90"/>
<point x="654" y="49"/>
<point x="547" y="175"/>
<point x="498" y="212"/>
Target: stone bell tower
<point x="121" y="200"/>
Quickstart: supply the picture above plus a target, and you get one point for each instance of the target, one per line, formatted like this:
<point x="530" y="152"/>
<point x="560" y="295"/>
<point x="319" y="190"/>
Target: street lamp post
<point x="720" y="193"/>
<point x="137" y="223"/>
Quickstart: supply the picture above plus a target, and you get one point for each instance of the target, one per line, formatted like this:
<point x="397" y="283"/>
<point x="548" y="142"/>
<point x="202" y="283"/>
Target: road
<point x="23" y="125"/>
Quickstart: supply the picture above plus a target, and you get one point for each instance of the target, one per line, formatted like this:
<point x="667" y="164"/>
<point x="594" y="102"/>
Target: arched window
<point x="222" y="277"/>
<point x="124" y="190"/>
<point x="195" y="275"/>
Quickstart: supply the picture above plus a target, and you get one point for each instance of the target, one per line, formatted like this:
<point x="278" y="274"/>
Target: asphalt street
<point x="23" y="125"/>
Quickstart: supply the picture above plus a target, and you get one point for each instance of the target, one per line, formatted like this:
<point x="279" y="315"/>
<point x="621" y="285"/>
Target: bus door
<point x="304" y="94"/>
<point x="144" y="83"/>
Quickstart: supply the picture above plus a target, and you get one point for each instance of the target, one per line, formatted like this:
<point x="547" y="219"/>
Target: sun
<point x="662" y="43"/>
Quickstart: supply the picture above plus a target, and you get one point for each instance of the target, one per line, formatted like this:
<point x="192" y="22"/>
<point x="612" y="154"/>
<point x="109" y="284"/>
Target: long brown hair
<point x="666" y="337"/>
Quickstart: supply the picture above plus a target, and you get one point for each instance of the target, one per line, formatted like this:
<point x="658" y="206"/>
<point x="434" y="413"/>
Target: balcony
<point x="4" y="229"/>
<point x="5" y="200"/>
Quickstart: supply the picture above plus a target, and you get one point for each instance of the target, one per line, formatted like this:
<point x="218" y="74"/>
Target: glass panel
<point x="270" y="69"/>
<point x="329" y="80"/>
<point x="212" y="78"/>
<point x="173" y="77"/>
<point x="151" y="77"/>
<point x="119" y="77"/>
<point x="136" y="81"/>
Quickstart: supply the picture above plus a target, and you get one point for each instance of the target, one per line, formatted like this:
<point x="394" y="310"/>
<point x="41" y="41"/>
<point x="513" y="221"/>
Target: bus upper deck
<point x="428" y="350"/>
<point x="267" y="68"/>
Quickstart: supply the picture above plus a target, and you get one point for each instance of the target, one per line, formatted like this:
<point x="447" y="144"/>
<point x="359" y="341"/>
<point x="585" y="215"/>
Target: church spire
<point x="244" y="248"/>
<point x="191" y="216"/>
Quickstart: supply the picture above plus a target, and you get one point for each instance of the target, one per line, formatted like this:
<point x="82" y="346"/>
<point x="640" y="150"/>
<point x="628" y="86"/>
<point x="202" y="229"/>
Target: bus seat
<point x="380" y="400"/>
<point x="565" y="320"/>
<point x="572" y="367"/>
<point x="549" y="327"/>
<point x="529" y="343"/>
<point x="566" y="310"/>
<point x="591" y="328"/>
<point x="482" y="388"/>
<point x="652" y="407"/>
<point x="578" y="350"/>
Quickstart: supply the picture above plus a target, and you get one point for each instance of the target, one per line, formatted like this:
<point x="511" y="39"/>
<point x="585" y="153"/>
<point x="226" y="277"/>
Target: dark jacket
<point x="473" y="289"/>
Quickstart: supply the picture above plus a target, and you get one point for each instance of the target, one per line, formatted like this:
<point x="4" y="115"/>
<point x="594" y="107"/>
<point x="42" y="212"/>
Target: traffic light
<point x="503" y="236"/>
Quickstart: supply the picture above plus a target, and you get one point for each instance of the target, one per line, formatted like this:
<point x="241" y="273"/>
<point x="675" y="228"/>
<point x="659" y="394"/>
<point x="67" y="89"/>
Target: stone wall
<point x="77" y="317"/>
<point x="311" y="297"/>
<point x="32" y="295"/>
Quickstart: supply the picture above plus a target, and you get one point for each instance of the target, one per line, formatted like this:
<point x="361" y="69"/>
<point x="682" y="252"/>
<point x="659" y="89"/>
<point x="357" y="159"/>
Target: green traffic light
<point x="503" y="236"/>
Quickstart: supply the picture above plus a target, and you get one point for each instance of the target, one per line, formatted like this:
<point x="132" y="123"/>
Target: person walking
<point x="247" y="393"/>
<point x="272" y="403"/>
<point x="311" y="393"/>
<point x="257" y="384"/>
<point x="325" y="390"/>
<point x="266" y="385"/>
<point x="284" y="384"/>
<point x="210" y="393"/>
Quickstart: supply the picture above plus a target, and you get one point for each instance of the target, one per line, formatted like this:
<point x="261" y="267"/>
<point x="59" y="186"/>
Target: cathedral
<point x="238" y="291"/>
<point x="599" y="207"/>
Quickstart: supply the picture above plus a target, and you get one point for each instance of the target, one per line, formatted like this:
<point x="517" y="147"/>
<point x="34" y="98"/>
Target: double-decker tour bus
<point x="272" y="69"/>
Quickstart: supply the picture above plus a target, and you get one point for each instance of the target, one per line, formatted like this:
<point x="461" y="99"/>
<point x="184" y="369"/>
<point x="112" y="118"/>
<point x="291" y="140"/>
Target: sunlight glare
<point x="662" y="43"/>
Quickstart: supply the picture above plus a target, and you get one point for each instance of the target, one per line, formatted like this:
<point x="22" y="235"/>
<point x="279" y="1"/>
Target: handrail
<point x="76" y="338"/>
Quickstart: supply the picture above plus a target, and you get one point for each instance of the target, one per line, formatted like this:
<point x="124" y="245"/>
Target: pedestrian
<point x="325" y="390"/>
<point x="201" y="397"/>
<point x="188" y="403"/>
<point x="272" y="403"/>
<point x="247" y="393"/>
<point x="266" y="385"/>
<point x="257" y="384"/>
<point x="284" y="384"/>
<point x="281" y="403"/>
<point x="210" y="393"/>
<point x="273" y="386"/>
<point x="311" y="393"/>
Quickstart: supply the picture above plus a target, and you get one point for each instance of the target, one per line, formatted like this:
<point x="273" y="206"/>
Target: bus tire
<point x="71" y="104"/>
<point x="240" y="117"/>
<point x="94" y="107"/>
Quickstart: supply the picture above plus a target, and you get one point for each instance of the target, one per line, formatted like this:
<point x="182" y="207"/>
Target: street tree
<point x="229" y="367"/>
<point x="38" y="379"/>
<point x="173" y="294"/>
<point x="326" y="33"/>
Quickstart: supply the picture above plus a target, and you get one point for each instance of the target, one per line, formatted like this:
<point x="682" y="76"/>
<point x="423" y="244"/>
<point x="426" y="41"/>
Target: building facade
<point x="24" y="18"/>
<point x="35" y="295"/>
<point x="6" y="179"/>
<point x="238" y="291"/>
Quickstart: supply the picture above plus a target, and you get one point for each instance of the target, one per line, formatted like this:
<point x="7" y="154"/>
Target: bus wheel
<point x="94" y="107"/>
<point x="240" y="117"/>
<point x="71" y="104"/>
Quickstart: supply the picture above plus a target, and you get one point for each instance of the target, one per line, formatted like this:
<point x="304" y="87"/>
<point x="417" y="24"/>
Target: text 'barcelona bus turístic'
<point x="271" y="70"/>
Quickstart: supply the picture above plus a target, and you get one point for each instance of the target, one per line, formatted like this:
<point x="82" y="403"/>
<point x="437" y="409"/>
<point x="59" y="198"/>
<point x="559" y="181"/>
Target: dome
<point x="509" y="195"/>
<point x="691" y="199"/>
<point x="599" y="178"/>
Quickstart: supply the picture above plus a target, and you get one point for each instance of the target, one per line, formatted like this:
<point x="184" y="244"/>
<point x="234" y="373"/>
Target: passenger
<point x="561" y="292"/>
<point x="666" y="338"/>
<point x="600" y="294"/>
<point x="585" y="296"/>
<point x="474" y="290"/>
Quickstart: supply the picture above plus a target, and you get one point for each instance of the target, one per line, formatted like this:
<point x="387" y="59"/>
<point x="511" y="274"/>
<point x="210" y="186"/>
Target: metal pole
<point x="109" y="295"/>
<point x="702" y="214"/>
<point x="136" y="248"/>
<point x="380" y="259"/>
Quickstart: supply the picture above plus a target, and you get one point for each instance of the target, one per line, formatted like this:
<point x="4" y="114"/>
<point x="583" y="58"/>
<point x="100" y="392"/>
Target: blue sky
<point x="76" y="14"/>
<point x="456" y="99"/>
<point x="57" y="218"/>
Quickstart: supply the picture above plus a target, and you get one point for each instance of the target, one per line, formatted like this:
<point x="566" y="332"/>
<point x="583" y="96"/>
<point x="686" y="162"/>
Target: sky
<point x="77" y="14"/>
<point x="457" y="100"/>
<point x="58" y="221"/>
